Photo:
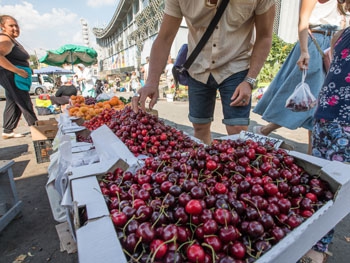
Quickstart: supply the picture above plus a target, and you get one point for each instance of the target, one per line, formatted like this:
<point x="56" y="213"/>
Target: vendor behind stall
<point x="64" y="92"/>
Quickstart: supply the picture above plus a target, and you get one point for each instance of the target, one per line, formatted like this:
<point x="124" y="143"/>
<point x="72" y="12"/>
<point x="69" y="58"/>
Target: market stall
<point x="135" y="190"/>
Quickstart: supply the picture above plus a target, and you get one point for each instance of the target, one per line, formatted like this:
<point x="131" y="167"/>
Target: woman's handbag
<point x="23" y="83"/>
<point x="181" y="65"/>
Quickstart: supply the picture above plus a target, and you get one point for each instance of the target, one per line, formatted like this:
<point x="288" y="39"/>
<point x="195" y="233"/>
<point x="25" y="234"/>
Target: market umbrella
<point x="53" y="70"/>
<point x="70" y="54"/>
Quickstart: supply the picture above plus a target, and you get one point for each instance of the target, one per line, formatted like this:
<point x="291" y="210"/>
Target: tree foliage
<point x="278" y="54"/>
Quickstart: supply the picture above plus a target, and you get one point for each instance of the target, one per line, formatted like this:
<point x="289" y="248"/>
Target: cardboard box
<point x="78" y="121"/>
<point x="98" y="242"/>
<point x="288" y="250"/>
<point x="51" y="121"/>
<point x="44" y="129"/>
<point x="94" y="231"/>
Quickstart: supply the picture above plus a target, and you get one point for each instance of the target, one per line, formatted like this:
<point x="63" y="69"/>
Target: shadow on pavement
<point x="8" y="153"/>
<point x="32" y="234"/>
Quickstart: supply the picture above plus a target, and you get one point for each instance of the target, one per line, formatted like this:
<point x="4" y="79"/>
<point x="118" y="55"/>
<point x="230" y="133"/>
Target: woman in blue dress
<point x="323" y="20"/>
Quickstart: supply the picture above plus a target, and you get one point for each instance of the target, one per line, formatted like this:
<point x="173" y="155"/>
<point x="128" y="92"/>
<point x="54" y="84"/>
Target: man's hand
<point x="242" y="95"/>
<point x="139" y="98"/>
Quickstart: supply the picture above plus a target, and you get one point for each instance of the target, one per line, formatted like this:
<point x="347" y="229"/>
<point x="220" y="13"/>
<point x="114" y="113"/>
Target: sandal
<point x="11" y="135"/>
<point x="313" y="256"/>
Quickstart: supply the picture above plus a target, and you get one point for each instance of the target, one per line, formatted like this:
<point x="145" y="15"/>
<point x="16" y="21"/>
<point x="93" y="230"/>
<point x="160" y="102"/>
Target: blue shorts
<point x="202" y="98"/>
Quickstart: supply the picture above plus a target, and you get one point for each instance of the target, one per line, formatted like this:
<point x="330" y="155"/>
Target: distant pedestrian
<point x="99" y="87"/>
<point x="169" y="73"/>
<point x="146" y="69"/>
<point x="117" y="82"/>
<point x="134" y="82"/>
<point x="64" y="92"/>
<point x="13" y="54"/>
<point x="86" y="83"/>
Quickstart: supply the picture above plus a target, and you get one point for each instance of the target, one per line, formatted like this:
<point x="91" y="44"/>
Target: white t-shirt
<point x="326" y="14"/>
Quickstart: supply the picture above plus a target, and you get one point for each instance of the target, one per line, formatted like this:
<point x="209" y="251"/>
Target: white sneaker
<point x="11" y="135"/>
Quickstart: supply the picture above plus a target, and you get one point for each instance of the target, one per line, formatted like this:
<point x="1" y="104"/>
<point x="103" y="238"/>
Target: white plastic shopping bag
<point x="301" y="99"/>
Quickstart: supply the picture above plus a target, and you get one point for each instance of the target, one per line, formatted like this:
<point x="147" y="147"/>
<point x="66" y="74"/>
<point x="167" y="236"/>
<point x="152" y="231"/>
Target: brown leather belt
<point x="326" y="33"/>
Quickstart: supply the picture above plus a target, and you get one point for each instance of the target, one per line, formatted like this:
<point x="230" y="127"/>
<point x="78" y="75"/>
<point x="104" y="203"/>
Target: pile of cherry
<point x="141" y="132"/>
<point x="227" y="202"/>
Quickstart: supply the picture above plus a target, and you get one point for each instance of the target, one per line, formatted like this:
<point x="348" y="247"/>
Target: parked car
<point x="46" y="80"/>
<point x="35" y="89"/>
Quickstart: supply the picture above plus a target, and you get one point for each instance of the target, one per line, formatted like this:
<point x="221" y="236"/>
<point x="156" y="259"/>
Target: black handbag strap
<point x="206" y="35"/>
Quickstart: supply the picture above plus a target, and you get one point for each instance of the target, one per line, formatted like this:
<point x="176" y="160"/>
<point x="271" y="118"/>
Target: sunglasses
<point x="341" y="1"/>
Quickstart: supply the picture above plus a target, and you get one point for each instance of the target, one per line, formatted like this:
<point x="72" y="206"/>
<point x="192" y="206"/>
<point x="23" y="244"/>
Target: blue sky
<point x="51" y="24"/>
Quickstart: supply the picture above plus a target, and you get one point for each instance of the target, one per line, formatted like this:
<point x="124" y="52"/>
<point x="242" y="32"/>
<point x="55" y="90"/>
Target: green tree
<point x="33" y="60"/>
<point x="278" y="54"/>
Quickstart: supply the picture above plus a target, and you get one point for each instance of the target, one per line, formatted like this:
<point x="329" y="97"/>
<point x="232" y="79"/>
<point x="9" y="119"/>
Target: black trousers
<point x="17" y="102"/>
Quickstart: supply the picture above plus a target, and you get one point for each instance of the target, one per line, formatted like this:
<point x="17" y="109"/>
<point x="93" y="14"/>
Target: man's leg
<point x="202" y="99"/>
<point x="236" y="119"/>
<point x="235" y="129"/>
<point x="202" y="132"/>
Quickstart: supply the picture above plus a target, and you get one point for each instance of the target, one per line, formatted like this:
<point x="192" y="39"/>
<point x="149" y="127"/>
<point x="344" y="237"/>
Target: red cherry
<point x="220" y="188"/>
<point x="119" y="219"/>
<point x="211" y="165"/>
<point x="271" y="189"/>
<point x="238" y="250"/>
<point x="195" y="253"/>
<point x="194" y="207"/>
<point x="158" y="247"/>
<point x="312" y="197"/>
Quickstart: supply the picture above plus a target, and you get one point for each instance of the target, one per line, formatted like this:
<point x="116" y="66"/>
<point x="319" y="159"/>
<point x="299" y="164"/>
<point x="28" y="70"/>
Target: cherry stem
<point x="129" y="255"/>
<point x="190" y="242"/>
<point x="127" y="223"/>
<point x="257" y="209"/>
<point x="138" y="243"/>
<point x="212" y="250"/>
<point x="164" y="244"/>
<point x="161" y="212"/>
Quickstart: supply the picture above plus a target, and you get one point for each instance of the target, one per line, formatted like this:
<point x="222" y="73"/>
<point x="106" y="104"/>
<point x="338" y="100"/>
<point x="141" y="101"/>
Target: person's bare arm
<point x="261" y="49"/>
<point x="306" y="7"/>
<point x="6" y="46"/>
<point x="158" y="58"/>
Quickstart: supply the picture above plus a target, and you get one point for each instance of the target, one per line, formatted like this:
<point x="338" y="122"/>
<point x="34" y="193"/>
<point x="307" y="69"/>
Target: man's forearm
<point x="259" y="54"/>
<point x="159" y="55"/>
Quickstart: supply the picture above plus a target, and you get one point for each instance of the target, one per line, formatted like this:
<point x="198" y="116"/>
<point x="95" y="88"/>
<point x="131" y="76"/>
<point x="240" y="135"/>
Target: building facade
<point x="126" y="41"/>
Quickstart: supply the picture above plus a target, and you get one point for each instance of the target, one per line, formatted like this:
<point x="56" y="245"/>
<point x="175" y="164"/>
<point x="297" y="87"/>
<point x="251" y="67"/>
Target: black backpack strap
<point x="206" y="35"/>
